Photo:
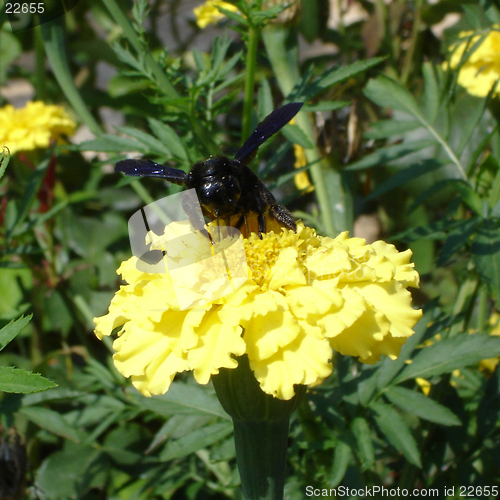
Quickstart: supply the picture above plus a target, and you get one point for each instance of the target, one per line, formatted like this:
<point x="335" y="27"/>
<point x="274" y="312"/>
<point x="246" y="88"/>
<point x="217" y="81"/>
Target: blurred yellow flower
<point x="488" y="365"/>
<point x="208" y="12"/>
<point x="305" y="296"/>
<point x="32" y="127"/>
<point x="481" y="70"/>
<point x="301" y="179"/>
<point x="424" y="384"/>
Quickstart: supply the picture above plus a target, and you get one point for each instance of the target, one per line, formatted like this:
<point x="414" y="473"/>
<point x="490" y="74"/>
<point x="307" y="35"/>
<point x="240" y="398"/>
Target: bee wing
<point x="265" y="129"/>
<point x="148" y="168"/>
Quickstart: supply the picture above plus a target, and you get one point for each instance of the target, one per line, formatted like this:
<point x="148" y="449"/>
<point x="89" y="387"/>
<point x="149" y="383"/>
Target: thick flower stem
<point x="260" y="429"/>
<point x="261" y="456"/>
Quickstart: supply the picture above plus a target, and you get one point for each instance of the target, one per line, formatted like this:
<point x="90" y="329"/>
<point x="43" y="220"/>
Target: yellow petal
<point x="265" y="334"/>
<point x="394" y="301"/>
<point x="218" y="345"/>
<point x="304" y="361"/>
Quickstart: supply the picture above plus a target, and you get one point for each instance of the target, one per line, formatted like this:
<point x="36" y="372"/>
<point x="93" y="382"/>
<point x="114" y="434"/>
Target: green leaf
<point x="55" y="45"/>
<point x="51" y="421"/>
<point x="389" y="128"/>
<point x="416" y="403"/>
<point x="70" y="473"/>
<point x="169" y="138"/>
<point x="264" y="99"/>
<point x="10" y="49"/>
<point x="388" y="93"/>
<point x="486" y="253"/>
<point x="4" y="156"/>
<point x="22" y="382"/>
<point x="431" y="92"/>
<point x="337" y="75"/>
<point x="390" y="153"/>
<point x="182" y="399"/>
<point x="494" y="195"/>
<point x="404" y="176"/>
<point x="362" y="433"/>
<point x="153" y="144"/>
<point x="468" y="196"/>
<point x="89" y="236"/>
<point x="196" y="440"/>
<point x="10" y="331"/>
<point x="111" y="143"/>
<point x="458" y="236"/>
<point x="304" y="90"/>
<point x="325" y="106"/>
<point x="474" y="112"/>
<point x="341" y="461"/>
<point x="450" y="354"/>
<point x="435" y="188"/>
<point x="31" y="189"/>
<point x="396" y="431"/>
<point x="295" y="135"/>
<point x="232" y="15"/>
<point x="488" y="412"/>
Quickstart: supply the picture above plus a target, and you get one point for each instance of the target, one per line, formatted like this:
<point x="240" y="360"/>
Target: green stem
<point x="482" y="308"/>
<point x="467" y="290"/>
<point x="260" y="429"/>
<point x="41" y="87"/>
<point x="251" y="64"/>
<point x="282" y="49"/>
<point x="261" y="455"/>
<point x="405" y="73"/>
<point x="142" y="192"/>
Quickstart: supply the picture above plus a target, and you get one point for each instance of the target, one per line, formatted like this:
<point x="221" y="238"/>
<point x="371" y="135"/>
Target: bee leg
<point x="218" y="225"/>
<point x="283" y="216"/>
<point x="240" y="222"/>
<point x="246" y="223"/>
<point x="261" y="224"/>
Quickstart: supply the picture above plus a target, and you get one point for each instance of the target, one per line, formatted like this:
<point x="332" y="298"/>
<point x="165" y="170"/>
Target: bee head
<point x="216" y="183"/>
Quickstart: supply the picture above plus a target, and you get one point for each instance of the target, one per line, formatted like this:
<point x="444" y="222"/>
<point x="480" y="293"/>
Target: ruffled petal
<point x="305" y="361"/>
<point x="217" y="346"/>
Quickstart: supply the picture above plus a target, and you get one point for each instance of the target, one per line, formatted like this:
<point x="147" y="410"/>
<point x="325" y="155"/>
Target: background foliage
<point x="389" y="137"/>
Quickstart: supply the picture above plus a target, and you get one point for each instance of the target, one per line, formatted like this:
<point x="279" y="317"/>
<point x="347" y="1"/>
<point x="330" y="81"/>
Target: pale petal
<point x="305" y="361"/>
<point x="394" y="301"/>
<point x="218" y="345"/>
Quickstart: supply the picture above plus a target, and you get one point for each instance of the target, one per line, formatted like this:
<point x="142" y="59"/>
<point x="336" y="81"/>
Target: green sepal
<point x="242" y="398"/>
<point x="261" y="424"/>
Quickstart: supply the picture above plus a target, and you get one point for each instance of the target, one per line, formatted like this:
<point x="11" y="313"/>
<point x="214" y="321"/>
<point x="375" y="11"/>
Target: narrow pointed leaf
<point x="50" y="420"/>
<point x="486" y="254"/>
<point x="363" y="435"/>
<point x="404" y="176"/>
<point x="196" y="440"/>
<point x="22" y="382"/>
<point x="397" y="432"/>
<point x="10" y="331"/>
<point x="169" y="138"/>
<point x="450" y="354"/>
<point x="422" y="406"/>
<point x="390" y="153"/>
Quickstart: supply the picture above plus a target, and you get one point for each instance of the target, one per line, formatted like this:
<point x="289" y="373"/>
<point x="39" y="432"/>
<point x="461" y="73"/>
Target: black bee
<point x="227" y="189"/>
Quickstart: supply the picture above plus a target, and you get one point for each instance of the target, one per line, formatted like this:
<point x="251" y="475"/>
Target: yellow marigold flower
<point x="304" y="297"/>
<point x="481" y="71"/>
<point x="33" y="126"/>
<point x="208" y="12"/>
